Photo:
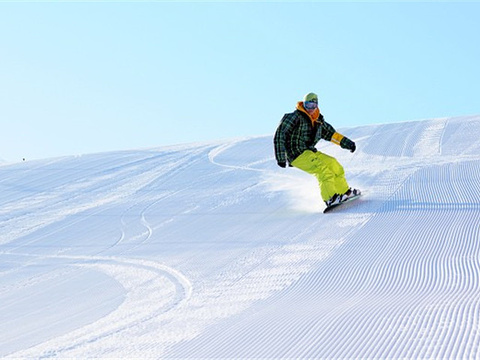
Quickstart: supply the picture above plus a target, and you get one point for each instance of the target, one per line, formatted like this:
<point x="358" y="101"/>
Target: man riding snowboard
<point x="295" y="141"/>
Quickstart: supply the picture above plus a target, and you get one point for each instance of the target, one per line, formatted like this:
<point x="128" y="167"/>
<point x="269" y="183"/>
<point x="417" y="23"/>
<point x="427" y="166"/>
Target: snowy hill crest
<point x="212" y="251"/>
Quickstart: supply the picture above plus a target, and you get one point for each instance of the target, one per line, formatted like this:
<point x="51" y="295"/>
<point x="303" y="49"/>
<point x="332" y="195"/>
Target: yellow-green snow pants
<point x="327" y="170"/>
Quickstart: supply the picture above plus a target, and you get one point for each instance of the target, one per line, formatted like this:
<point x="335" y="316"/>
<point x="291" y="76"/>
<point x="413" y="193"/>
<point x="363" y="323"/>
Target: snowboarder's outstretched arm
<point x="330" y="134"/>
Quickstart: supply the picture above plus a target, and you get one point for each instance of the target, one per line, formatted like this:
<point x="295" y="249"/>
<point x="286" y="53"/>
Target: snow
<point x="212" y="251"/>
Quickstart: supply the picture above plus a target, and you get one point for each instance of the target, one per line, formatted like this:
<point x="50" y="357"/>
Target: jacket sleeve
<point x="284" y="129"/>
<point x="328" y="131"/>
<point x="330" y="134"/>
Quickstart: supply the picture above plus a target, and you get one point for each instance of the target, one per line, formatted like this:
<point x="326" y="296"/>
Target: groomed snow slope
<point x="212" y="251"/>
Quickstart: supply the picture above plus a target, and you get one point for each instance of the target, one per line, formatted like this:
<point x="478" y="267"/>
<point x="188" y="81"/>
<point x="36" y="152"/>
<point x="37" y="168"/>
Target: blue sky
<point x="83" y="77"/>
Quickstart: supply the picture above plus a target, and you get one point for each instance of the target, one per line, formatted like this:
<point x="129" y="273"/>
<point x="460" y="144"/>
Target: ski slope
<point x="212" y="251"/>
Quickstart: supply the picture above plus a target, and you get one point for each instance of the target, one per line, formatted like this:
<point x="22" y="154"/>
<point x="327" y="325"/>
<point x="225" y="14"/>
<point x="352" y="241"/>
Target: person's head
<point x="310" y="102"/>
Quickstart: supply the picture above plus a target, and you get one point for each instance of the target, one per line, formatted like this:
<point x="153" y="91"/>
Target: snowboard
<point x="330" y="208"/>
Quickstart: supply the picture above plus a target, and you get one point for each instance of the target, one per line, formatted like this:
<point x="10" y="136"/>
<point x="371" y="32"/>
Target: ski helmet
<point x="310" y="97"/>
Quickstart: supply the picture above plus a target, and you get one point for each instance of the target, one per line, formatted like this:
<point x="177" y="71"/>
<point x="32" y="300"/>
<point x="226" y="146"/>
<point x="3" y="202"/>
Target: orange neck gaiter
<point x="313" y="117"/>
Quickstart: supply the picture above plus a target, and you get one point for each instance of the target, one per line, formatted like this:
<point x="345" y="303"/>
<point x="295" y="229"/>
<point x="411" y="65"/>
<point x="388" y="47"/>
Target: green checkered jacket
<point x="295" y="134"/>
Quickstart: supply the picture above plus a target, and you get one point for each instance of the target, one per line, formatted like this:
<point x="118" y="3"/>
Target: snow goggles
<point x="310" y="105"/>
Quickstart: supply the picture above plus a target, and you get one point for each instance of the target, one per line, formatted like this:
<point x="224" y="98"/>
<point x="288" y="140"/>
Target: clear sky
<point x="83" y="77"/>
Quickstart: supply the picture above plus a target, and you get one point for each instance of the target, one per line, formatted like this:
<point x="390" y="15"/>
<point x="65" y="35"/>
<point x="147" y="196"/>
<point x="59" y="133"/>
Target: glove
<point x="348" y="144"/>
<point x="282" y="164"/>
<point x="353" y="147"/>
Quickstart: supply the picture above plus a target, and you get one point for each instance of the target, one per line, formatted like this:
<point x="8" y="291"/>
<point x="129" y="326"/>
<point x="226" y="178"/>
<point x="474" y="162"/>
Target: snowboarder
<point x="295" y="140"/>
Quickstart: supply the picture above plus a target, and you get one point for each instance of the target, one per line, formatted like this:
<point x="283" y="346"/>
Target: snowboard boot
<point x="350" y="193"/>
<point x="334" y="200"/>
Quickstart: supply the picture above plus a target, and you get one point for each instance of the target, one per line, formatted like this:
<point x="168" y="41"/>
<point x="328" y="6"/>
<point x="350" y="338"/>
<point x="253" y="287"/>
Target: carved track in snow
<point x="151" y="290"/>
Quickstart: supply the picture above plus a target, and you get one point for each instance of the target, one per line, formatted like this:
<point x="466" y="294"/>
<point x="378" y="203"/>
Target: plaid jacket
<point x="296" y="133"/>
